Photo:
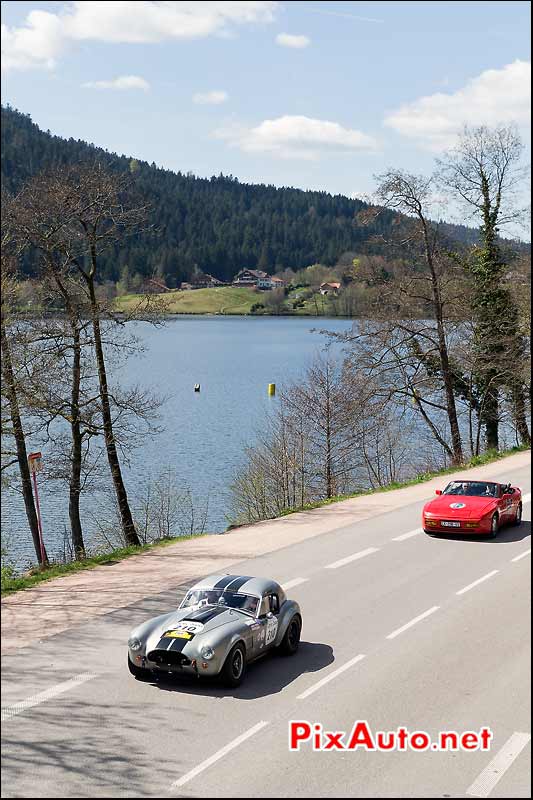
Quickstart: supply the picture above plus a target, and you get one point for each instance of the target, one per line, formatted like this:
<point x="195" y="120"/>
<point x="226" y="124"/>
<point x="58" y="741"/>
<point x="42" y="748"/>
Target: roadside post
<point x="35" y="463"/>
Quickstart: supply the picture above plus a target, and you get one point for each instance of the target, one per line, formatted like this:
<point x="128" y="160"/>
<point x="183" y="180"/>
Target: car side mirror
<point x="438" y="491"/>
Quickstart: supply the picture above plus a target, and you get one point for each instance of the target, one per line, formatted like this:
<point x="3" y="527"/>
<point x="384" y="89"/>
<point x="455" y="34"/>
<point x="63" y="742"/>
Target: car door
<point x="509" y="503"/>
<point x="506" y="503"/>
<point x="265" y="628"/>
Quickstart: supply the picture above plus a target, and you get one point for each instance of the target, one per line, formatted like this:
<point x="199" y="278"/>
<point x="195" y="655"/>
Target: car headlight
<point x="134" y="643"/>
<point x="207" y="653"/>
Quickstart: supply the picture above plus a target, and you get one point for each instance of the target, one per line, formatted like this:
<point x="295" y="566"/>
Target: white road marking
<point x="218" y="755"/>
<point x="479" y="580"/>
<point x="407" y="535"/>
<point x="18" y="708"/>
<point x="293" y="583"/>
<point x="330" y="677"/>
<point x="354" y="557"/>
<point x="487" y="780"/>
<point x="413" y="622"/>
<point x="522" y="555"/>
<point x="526" y="498"/>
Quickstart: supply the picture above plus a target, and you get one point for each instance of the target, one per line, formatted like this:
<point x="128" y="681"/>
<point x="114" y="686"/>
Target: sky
<point x="316" y="95"/>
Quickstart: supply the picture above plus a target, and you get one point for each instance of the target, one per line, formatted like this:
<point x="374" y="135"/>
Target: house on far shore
<point x="270" y="282"/>
<point x="202" y="280"/>
<point x="249" y="277"/>
<point x="154" y="286"/>
<point x="330" y="288"/>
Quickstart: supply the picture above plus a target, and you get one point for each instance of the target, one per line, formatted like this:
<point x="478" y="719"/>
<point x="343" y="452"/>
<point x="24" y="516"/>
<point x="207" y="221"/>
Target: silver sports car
<point x="223" y="623"/>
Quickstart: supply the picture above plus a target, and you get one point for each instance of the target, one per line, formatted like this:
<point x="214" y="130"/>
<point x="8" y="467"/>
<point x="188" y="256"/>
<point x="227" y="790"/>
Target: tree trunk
<point x="76" y="456"/>
<point x="128" y="527"/>
<point x="490" y="418"/>
<point x="451" y="408"/>
<point x="519" y="413"/>
<point x="22" y="455"/>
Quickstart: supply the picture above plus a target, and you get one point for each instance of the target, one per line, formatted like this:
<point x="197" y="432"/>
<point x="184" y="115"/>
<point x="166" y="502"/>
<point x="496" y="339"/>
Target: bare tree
<point x="426" y="285"/>
<point x="485" y="173"/>
<point x="72" y="215"/>
<point x="12" y="424"/>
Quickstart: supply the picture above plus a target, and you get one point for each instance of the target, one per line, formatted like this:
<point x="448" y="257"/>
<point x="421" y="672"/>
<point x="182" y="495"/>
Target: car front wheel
<point x="518" y="516"/>
<point x="494" y="526"/>
<point x="232" y="673"/>
<point x="138" y="672"/>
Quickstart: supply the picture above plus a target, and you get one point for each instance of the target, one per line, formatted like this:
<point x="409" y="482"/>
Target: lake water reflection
<point x="204" y="433"/>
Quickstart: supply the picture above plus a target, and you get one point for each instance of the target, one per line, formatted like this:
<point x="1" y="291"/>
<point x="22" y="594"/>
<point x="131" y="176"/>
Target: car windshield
<point x="210" y="597"/>
<point x="472" y="488"/>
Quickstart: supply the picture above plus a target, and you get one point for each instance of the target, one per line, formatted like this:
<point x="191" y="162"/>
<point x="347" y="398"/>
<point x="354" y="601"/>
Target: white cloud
<point x="124" y="82"/>
<point x="295" y="137"/>
<point x="292" y="40"/>
<point x="43" y="37"/>
<point x="38" y="44"/>
<point x="496" y="96"/>
<point x="214" y="98"/>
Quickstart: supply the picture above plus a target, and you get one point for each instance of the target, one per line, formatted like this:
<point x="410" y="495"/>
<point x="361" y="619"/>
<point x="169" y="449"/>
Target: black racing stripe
<point x="178" y="644"/>
<point x="163" y="643"/>
<point x="235" y="585"/>
<point x="223" y="582"/>
<point x="205" y="614"/>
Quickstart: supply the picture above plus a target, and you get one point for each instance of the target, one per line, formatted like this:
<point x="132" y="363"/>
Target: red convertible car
<point x="473" y="507"/>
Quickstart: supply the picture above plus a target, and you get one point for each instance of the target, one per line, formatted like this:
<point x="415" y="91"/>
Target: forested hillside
<point x="216" y="225"/>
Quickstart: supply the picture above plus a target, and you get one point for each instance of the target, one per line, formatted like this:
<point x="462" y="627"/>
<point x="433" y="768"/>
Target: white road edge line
<point x="420" y="617"/>
<point x="218" y="755"/>
<point x="330" y="677"/>
<point x="479" y="580"/>
<point x="8" y="712"/>
<point x="495" y="769"/>
<point x="293" y="583"/>
<point x="354" y="557"/>
<point x="407" y="535"/>
<point x="522" y="555"/>
<point x="526" y="498"/>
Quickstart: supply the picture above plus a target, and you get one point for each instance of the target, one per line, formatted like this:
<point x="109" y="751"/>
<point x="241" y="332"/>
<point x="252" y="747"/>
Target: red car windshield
<point x="472" y="488"/>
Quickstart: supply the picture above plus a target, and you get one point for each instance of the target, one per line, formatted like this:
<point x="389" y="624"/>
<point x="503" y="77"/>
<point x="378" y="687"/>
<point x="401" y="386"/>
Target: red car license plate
<point x="451" y="524"/>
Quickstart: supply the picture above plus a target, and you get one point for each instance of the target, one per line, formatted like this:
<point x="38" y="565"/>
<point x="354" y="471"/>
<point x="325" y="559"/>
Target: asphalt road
<point x="424" y="633"/>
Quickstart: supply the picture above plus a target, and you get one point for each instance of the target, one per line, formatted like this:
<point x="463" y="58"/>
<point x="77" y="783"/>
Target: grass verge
<point x="15" y="583"/>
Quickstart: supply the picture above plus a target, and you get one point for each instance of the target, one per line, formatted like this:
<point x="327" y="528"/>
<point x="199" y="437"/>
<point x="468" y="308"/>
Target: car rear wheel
<point x="232" y="673"/>
<point x="494" y="526"/>
<point x="291" y="640"/>
<point x="518" y="516"/>
<point x="138" y="672"/>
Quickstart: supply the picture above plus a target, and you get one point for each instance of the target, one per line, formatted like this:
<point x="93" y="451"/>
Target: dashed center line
<point x="354" y="557"/>
<point x="293" y="583"/>
<point x="495" y="769"/>
<point x="522" y="555"/>
<point x="479" y="580"/>
<point x="330" y="677"/>
<point x="414" y="621"/>
<point x="407" y="535"/>
<point x="218" y="755"/>
<point x="18" y="708"/>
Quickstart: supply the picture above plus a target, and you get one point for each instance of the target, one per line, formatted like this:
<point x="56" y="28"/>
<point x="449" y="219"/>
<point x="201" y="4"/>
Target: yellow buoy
<point x="271" y="389"/>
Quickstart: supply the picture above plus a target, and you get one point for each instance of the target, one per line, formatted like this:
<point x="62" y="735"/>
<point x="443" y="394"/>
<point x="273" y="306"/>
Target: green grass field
<point x="225" y="300"/>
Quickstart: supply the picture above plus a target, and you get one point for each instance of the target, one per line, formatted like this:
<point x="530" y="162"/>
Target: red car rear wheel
<point x="518" y="516"/>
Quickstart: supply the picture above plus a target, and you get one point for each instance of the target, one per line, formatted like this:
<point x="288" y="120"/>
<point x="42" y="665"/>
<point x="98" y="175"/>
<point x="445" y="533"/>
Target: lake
<point x="204" y="433"/>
